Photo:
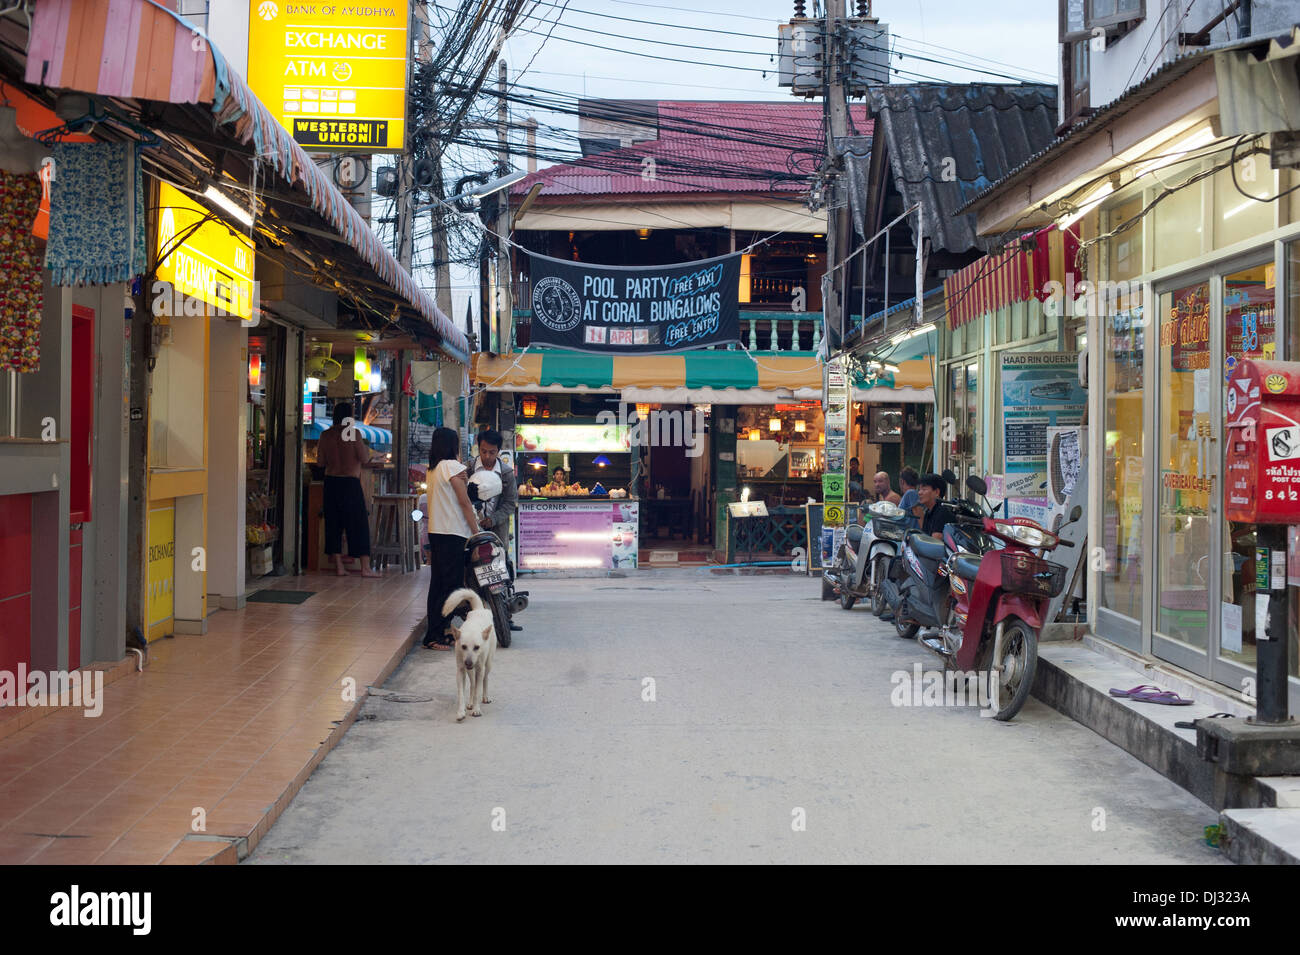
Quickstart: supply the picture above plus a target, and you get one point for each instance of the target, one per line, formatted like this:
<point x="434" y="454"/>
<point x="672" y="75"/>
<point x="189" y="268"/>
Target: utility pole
<point x="839" y="233"/>
<point x="504" y="267"/>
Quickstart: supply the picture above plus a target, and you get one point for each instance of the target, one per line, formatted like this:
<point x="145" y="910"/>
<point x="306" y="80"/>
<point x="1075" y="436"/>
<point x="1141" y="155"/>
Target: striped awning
<point x="698" y="377"/>
<point x="139" y="50"/>
<point x="375" y="437"/>
<point x="1015" y="275"/>
<point x="723" y="374"/>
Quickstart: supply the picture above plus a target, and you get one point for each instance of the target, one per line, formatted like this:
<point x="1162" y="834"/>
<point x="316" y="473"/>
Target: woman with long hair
<point x="451" y="523"/>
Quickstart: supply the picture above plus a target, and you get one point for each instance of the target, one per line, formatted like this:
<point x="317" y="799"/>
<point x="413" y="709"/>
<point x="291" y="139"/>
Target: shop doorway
<point x="1204" y="606"/>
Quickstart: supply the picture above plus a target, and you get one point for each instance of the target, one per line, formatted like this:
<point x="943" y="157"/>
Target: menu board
<point x="565" y="535"/>
<point x="581" y="438"/>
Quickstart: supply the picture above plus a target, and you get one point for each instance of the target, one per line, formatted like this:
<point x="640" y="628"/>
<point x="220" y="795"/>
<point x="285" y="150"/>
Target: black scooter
<point x="488" y="575"/>
<point x="916" y="588"/>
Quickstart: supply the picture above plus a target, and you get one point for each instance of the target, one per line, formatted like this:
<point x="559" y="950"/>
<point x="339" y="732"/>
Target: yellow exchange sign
<point x="333" y="74"/>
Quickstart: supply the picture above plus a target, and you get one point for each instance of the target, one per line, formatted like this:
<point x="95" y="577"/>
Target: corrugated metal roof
<point x="949" y="142"/>
<point x="747" y="148"/>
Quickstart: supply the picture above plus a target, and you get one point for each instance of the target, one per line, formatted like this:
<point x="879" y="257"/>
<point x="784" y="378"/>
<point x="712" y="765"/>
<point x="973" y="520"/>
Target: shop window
<point x="1177" y="230"/>
<point x="1239" y="213"/>
<point x="1250" y="330"/>
<point x="1124" y="451"/>
<point x="1187" y="474"/>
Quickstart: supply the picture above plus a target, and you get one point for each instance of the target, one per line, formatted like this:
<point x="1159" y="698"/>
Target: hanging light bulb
<point x="801" y="426"/>
<point x="774" y="424"/>
<point x="753" y="434"/>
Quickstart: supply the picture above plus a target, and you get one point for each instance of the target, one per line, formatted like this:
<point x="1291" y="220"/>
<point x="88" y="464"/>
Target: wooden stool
<point x="394" y="532"/>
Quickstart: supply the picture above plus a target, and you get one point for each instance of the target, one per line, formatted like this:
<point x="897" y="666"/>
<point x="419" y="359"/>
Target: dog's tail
<point x="458" y="597"/>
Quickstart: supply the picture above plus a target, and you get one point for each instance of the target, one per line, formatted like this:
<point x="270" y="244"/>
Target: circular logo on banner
<point x="1275" y="383"/>
<point x="556" y="305"/>
<point x="834" y="515"/>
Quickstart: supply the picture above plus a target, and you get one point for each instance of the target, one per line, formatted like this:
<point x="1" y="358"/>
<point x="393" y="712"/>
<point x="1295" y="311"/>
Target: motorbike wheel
<point x="879" y="571"/>
<point x="847" y="597"/>
<point x="1019" y="661"/>
<point x="907" y="631"/>
<point x="501" y="617"/>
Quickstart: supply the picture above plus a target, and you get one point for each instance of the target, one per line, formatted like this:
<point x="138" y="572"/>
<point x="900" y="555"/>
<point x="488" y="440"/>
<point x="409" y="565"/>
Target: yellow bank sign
<point x="333" y="74"/>
<point x="209" y="271"/>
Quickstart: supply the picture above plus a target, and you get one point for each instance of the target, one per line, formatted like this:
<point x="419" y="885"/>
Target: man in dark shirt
<point x="929" y="510"/>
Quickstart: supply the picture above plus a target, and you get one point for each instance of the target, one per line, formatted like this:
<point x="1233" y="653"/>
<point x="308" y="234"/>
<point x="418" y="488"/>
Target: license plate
<point x="488" y="575"/>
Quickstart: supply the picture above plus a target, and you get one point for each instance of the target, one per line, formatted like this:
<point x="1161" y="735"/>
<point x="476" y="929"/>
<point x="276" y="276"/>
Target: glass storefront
<point x="1124" y="449"/>
<point x="1250" y="331"/>
<point x="1187" y="474"/>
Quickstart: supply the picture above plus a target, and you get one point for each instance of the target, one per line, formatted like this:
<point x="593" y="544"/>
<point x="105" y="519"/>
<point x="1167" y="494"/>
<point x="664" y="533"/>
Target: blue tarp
<point x="375" y="437"/>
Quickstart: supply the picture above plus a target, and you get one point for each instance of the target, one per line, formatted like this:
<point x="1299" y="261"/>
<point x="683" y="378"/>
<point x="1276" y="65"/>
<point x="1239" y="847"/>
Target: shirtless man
<point x="343" y="454"/>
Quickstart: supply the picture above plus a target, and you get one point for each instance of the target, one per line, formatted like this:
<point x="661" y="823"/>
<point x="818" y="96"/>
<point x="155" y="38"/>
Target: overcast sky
<point x="1014" y="37"/>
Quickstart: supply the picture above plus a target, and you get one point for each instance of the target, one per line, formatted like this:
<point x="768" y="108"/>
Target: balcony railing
<point x="775" y="332"/>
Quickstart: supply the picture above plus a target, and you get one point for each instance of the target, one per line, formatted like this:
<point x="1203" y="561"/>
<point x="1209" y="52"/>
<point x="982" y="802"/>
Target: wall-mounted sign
<point x="334" y="75"/>
<point x="210" y="271"/>
<point x="1040" y="390"/>
<point x="579" y="438"/>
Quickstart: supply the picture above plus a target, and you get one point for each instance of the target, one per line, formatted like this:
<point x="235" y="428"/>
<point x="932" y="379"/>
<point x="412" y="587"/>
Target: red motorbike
<point x="999" y="605"/>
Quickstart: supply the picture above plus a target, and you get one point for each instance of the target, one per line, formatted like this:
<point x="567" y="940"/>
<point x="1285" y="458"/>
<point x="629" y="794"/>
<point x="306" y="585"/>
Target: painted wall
<point x="1130" y="58"/>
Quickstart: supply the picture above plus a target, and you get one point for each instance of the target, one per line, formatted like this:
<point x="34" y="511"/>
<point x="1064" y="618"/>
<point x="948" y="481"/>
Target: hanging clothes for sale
<point x="96" y="214"/>
<point x="22" y="294"/>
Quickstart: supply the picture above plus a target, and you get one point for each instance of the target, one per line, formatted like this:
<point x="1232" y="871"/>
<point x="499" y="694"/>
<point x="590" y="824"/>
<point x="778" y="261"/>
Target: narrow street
<point x="767" y="702"/>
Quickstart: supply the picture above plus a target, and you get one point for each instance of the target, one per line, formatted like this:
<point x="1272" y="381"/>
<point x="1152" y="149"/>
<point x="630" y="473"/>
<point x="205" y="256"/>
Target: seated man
<point x="883" y="491"/>
<point x="928" y="511"/>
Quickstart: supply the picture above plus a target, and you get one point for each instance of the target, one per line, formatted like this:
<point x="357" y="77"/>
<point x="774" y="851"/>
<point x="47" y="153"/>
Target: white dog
<point x="476" y="640"/>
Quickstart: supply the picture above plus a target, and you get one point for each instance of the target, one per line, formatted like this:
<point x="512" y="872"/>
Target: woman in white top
<point x="451" y="522"/>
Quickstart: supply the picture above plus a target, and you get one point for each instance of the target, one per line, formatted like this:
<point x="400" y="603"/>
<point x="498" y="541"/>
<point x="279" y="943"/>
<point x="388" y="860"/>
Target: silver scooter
<point x="863" y="558"/>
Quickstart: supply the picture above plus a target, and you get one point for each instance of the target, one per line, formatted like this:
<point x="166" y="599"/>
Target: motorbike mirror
<point x="417" y="516"/>
<point x="949" y="476"/>
<point x="1076" y="512"/>
<point x="976" y="484"/>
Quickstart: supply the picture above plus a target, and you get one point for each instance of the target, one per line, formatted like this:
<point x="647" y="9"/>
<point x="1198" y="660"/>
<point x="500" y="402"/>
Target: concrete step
<point x="1261" y="836"/>
<point x="1260" y="815"/>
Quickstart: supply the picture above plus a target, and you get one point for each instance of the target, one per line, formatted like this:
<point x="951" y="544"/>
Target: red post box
<point x="1263" y="461"/>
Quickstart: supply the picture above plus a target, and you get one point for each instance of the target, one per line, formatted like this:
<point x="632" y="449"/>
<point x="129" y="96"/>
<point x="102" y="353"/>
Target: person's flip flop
<point x="1191" y="724"/>
<point x="443" y="644"/>
<point x="1127" y="694"/>
<point x="1165" y="697"/>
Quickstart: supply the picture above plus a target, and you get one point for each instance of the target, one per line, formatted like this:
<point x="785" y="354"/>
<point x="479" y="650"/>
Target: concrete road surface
<point x="769" y="733"/>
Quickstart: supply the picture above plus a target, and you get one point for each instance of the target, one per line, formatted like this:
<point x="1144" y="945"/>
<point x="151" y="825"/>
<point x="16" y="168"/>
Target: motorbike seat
<point x="931" y="548"/>
<point x="966" y="566"/>
<point x="854" y="533"/>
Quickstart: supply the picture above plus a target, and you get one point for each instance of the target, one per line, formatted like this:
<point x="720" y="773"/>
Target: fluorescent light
<point x="1176" y="150"/>
<point x="376" y="382"/>
<point x="229" y="205"/>
<point x="1094" y="200"/>
<point x="1241" y="208"/>
<point x="313" y="385"/>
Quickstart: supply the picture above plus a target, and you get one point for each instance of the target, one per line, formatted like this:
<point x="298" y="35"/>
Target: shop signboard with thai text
<point x="1263" y="435"/>
<point x="1040" y="390"/>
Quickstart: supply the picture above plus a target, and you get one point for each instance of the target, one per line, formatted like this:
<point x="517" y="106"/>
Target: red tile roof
<point x="706" y="147"/>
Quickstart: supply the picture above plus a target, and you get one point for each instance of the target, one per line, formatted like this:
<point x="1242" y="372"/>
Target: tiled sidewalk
<point x="232" y="722"/>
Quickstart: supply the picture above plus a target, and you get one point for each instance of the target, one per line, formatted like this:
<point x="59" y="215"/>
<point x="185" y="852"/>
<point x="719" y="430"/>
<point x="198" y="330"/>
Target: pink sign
<point x="560" y="535"/>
